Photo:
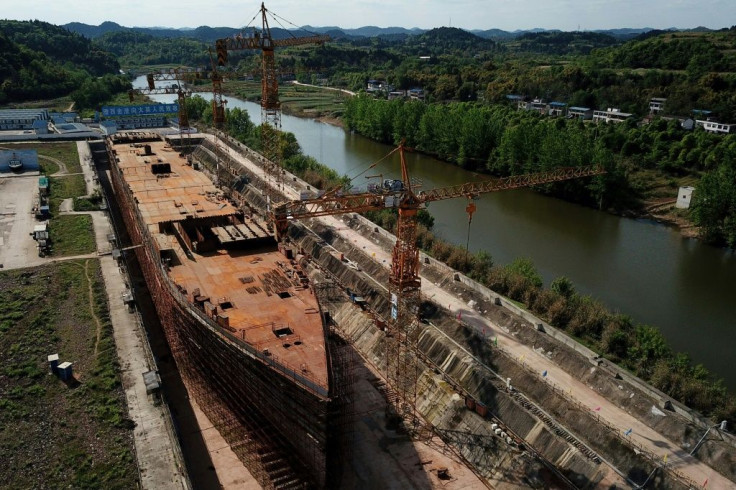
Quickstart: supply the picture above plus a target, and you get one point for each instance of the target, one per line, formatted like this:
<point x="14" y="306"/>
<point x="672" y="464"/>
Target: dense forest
<point x="134" y="48"/>
<point x="42" y="61"/>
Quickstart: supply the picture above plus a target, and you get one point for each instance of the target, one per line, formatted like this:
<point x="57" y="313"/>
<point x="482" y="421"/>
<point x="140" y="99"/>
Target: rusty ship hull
<point x="240" y="317"/>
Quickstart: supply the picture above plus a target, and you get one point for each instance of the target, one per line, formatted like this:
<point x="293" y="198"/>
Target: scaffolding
<point x="288" y="431"/>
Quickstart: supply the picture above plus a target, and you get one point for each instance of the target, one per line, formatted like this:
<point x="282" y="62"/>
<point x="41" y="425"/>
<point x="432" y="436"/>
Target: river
<point x="645" y="270"/>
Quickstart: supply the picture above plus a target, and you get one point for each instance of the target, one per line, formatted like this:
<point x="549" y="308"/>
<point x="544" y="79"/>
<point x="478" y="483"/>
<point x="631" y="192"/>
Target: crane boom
<point x="270" y="104"/>
<point x="404" y="285"/>
<point x="373" y="201"/>
<point x="472" y="189"/>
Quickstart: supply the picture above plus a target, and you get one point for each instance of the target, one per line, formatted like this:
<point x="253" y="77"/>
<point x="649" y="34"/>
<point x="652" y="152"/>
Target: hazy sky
<point x="467" y="14"/>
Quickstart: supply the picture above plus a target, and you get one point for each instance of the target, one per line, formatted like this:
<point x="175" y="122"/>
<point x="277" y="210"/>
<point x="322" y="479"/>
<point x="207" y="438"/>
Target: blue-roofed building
<point x="584" y="113"/>
<point x="69" y="128"/>
<point x="41" y="127"/>
<point x="43" y="186"/>
<point x="63" y="117"/>
<point x="557" y="109"/>
<point x="415" y="93"/>
<point x="109" y="127"/>
<point x="16" y="161"/>
<point x="514" y="98"/>
<point x="21" y="119"/>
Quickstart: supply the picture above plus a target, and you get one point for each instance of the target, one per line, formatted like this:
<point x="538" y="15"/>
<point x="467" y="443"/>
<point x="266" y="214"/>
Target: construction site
<point x="325" y="352"/>
<point x="485" y="401"/>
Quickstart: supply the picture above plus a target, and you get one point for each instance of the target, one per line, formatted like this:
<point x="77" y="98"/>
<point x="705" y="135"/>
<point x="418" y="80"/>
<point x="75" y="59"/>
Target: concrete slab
<point x="17" y="195"/>
<point x="155" y="443"/>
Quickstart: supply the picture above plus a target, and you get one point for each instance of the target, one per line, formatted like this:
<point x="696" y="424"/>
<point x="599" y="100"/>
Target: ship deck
<point x="226" y="264"/>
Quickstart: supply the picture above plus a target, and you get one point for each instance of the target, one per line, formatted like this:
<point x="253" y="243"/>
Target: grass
<point x="64" y="188"/>
<point x="296" y="100"/>
<point x="91" y="203"/>
<point x="55" y="434"/>
<point x="519" y="304"/>
<point x="72" y="234"/>
<point x="653" y="184"/>
<point x="56" y="105"/>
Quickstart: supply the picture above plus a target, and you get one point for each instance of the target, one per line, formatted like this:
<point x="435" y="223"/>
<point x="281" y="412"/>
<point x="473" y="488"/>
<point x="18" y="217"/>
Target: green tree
<point x="524" y="267"/>
<point x="563" y="286"/>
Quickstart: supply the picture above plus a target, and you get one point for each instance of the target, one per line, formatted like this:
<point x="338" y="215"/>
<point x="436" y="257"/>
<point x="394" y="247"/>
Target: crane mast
<point x="270" y="104"/>
<point x="179" y="75"/>
<point x="404" y="280"/>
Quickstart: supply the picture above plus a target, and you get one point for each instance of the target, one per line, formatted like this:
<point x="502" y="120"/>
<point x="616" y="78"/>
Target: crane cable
<point x="372" y="165"/>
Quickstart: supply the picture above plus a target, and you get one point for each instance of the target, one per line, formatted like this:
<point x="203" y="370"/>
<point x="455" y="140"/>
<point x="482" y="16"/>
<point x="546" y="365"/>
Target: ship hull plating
<point x="281" y="427"/>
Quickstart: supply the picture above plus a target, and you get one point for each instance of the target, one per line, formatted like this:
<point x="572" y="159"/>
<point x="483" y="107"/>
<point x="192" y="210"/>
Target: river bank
<point x="655" y="209"/>
<point x="634" y="266"/>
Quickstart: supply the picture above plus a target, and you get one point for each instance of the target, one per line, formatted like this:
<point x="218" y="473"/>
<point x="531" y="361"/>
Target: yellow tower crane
<point x="270" y="105"/>
<point x="404" y="283"/>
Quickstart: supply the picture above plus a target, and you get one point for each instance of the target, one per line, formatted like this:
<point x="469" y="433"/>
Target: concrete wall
<point x="661" y="398"/>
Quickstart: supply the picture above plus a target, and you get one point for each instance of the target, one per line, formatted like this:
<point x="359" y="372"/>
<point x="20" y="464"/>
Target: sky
<point x="508" y="15"/>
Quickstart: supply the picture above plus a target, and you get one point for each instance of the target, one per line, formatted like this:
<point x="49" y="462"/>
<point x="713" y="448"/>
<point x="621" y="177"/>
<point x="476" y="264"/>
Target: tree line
<point x="42" y="61"/>
<point x="500" y="140"/>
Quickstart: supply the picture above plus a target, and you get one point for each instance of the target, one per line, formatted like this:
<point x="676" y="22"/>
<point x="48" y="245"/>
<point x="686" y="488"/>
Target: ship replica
<point x="239" y="314"/>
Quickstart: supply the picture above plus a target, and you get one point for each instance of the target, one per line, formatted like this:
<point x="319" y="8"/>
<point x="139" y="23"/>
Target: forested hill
<point x="41" y="61"/>
<point x="446" y="40"/>
<point x="202" y="33"/>
<point x="135" y="48"/>
<point x="696" y="52"/>
<point x="550" y="42"/>
<point x="60" y="45"/>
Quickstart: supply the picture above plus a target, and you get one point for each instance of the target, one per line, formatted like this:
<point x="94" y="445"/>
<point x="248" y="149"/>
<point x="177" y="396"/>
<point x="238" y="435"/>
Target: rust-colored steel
<point x="276" y="409"/>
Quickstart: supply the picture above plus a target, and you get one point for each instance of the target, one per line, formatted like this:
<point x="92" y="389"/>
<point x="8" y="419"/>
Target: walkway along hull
<point x="280" y="415"/>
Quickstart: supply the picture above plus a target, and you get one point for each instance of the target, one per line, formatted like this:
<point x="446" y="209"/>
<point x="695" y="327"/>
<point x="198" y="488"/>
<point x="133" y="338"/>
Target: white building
<point x="584" y="113"/>
<point x="716" y="127"/>
<point x="684" y="196"/>
<point x="656" y="105"/>
<point x="611" y="115"/>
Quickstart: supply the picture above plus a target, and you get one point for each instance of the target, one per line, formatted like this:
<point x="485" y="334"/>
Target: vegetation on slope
<point x="75" y="434"/>
<point x="134" y="48"/>
<point x="41" y="61"/>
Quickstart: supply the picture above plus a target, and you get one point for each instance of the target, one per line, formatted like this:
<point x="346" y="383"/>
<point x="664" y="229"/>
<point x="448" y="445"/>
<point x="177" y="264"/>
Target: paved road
<point x="155" y="444"/>
<point x="344" y="91"/>
<point x="640" y="433"/>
